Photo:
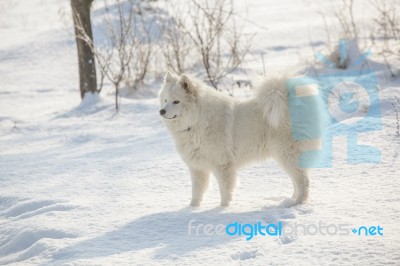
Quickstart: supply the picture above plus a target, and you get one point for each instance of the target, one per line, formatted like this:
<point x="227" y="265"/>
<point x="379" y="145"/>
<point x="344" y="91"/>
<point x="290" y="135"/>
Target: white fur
<point x="215" y="133"/>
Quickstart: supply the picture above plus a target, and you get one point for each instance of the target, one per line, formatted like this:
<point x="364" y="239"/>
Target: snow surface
<point x="82" y="185"/>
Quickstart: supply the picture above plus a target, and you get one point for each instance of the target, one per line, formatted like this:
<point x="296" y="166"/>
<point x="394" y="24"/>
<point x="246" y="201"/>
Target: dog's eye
<point x="176" y="102"/>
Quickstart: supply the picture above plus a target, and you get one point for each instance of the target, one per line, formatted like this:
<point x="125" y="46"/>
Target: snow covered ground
<point x="82" y="185"/>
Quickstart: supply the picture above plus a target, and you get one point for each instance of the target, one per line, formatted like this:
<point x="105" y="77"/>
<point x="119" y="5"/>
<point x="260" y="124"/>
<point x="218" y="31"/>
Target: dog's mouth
<point x="170" y="118"/>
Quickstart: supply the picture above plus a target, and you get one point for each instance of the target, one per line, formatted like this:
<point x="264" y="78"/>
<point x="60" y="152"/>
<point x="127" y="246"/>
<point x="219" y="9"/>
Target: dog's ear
<point x="187" y="84"/>
<point x="168" y="77"/>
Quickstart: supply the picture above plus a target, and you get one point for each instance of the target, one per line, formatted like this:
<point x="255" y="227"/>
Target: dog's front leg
<point x="200" y="181"/>
<point x="226" y="177"/>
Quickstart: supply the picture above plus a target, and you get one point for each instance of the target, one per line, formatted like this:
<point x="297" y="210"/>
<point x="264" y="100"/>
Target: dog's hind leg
<point x="299" y="178"/>
<point x="303" y="185"/>
<point x="226" y="177"/>
<point x="295" y="189"/>
<point x="200" y="181"/>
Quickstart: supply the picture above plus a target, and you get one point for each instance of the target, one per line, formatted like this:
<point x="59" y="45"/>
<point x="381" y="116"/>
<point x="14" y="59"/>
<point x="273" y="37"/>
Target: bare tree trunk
<point x="87" y="67"/>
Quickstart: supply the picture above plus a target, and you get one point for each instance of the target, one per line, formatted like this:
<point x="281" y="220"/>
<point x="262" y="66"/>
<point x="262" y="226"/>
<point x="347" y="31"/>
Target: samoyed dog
<point x="216" y="133"/>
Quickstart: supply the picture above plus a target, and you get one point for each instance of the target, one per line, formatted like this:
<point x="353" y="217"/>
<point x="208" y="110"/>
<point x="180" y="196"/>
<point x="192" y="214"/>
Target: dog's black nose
<point x="162" y="112"/>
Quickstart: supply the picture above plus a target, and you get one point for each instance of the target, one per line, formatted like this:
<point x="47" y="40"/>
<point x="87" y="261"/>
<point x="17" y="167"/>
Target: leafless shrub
<point x="387" y="21"/>
<point x="383" y="32"/>
<point x="386" y="29"/>
<point x="207" y="30"/>
<point x="339" y="17"/>
<point x="138" y="66"/>
<point x="345" y="16"/>
<point x="215" y="31"/>
<point x="115" y="57"/>
<point x="177" y="45"/>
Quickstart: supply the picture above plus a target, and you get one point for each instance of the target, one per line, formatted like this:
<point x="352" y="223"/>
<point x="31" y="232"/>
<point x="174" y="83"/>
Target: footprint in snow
<point x="245" y="255"/>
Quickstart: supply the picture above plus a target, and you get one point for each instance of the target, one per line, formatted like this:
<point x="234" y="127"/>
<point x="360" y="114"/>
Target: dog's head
<point x="178" y="100"/>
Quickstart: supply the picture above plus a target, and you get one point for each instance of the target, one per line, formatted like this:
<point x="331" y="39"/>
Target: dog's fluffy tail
<point x="271" y="94"/>
<point x="296" y="100"/>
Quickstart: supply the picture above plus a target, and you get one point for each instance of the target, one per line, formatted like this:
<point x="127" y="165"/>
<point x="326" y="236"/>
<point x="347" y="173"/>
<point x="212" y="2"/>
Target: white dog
<point x="216" y="133"/>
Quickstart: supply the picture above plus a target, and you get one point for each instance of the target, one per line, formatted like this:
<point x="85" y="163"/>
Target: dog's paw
<point x="224" y="204"/>
<point x="287" y="203"/>
<point x="194" y="203"/>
